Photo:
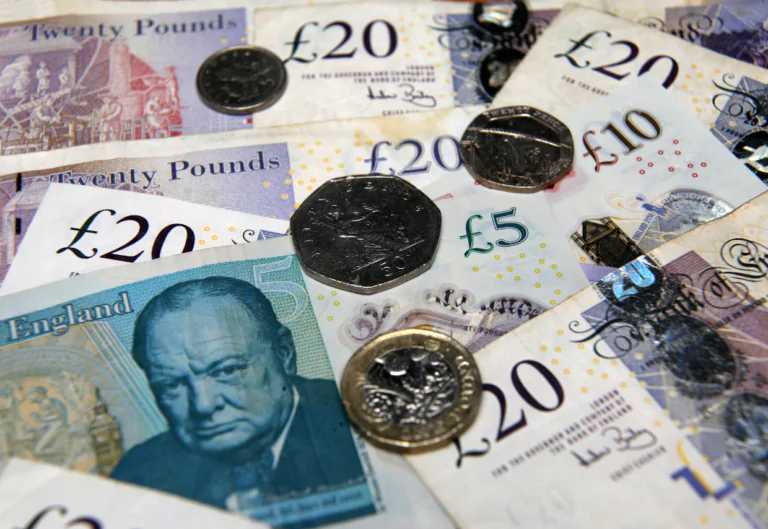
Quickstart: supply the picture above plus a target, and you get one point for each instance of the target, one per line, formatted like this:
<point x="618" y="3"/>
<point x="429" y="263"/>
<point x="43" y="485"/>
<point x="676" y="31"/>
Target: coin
<point x="752" y="149"/>
<point x="411" y="389"/>
<point x="241" y="80"/>
<point x="366" y="234"/>
<point x="501" y="18"/>
<point x="496" y="67"/>
<point x="518" y="149"/>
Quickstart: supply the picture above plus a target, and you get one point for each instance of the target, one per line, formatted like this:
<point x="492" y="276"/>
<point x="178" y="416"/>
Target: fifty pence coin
<point x="412" y="389"/>
<point x="241" y="80"/>
<point x="366" y="234"/>
<point x="518" y="149"/>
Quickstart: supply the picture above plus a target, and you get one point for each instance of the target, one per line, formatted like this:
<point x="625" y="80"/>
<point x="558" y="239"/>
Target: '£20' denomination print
<point x="390" y="58"/>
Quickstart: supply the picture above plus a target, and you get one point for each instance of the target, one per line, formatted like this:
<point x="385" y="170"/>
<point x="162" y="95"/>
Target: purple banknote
<point x="77" y="80"/>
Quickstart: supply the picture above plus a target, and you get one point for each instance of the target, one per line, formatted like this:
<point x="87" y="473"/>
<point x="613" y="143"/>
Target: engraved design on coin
<point x="411" y="389"/>
<point x="366" y="234"/>
<point x="409" y="386"/>
<point x="518" y="149"/>
<point x="241" y="80"/>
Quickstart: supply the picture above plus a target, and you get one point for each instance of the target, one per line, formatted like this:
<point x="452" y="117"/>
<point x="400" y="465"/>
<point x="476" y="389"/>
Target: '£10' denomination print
<point x="648" y="388"/>
<point x="76" y="80"/>
<point x="585" y="54"/>
<point x="392" y="58"/>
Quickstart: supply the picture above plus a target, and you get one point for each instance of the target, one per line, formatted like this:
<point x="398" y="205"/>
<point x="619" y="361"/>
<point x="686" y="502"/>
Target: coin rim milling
<point x="351" y="287"/>
<point x="472" y="160"/>
<point x="413" y="438"/>
<point x="273" y="98"/>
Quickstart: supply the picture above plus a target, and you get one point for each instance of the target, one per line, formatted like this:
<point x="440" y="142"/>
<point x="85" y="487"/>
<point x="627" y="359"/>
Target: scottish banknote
<point x="648" y="388"/>
<point x="586" y="54"/>
<point x="261" y="435"/>
<point x="82" y="229"/>
<point x="36" y="494"/>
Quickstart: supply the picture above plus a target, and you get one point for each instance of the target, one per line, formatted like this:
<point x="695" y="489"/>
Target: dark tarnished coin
<point x="496" y="68"/>
<point x="366" y="234"/>
<point x="501" y="18"/>
<point x="517" y="149"/>
<point x="241" y="80"/>
<point x="412" y="389"/>
<point x="752" y="149"/>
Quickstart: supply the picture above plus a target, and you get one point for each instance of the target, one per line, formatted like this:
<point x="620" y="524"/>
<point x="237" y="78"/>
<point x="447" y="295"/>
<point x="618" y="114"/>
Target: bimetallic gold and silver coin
<point x="411" y="389"/>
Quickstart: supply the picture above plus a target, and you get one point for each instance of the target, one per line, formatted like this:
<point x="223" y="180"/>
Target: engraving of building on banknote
<point x="77" y="80"/>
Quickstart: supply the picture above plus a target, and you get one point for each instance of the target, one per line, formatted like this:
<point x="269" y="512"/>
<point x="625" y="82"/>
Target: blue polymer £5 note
<point x="211" y="383"/>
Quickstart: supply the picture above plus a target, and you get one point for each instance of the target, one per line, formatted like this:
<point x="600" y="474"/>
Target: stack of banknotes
<point x="171" y="355"/>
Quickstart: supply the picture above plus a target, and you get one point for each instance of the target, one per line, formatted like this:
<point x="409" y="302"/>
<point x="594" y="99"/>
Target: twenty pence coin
<point x="517" y="149"/>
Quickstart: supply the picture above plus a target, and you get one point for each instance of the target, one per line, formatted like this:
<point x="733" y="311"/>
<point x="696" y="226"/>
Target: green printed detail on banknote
<point x="239" y="405"/>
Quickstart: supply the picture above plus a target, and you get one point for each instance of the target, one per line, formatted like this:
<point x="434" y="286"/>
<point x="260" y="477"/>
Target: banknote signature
<point x="627" y="439"/>
<point x="408" y="93"/>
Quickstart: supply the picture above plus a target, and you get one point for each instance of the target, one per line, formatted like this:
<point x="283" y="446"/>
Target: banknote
<point x="82" y="229"/>
<point x="27" y="9"/>
<point x="586" y="54"/>
<point x="266" y="174"/>
<point x="735" y="29"/>
<point x="36" y="495"/>
<point x="390" y="58"/>
<point x="83" y="79"/>
<point x="644" y="172"/>
<point x="244" y="444"/>
<point x="649" y="388"/>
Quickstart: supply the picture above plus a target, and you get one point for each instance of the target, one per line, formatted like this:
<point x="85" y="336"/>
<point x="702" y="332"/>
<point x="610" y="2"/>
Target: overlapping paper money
<point x="166" y="360"/>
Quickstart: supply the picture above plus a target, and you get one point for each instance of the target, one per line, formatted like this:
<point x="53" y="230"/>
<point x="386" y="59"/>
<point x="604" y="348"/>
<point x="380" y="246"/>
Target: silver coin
<point x="411" y="389"/>
<point x="241" y="80"/>
<point x="517" y="149"/>
<point x="366" y="234"/>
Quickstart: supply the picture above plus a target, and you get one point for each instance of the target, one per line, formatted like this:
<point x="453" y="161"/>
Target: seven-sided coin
<point x="518" y="149"/>
<point x="411" y="389"/>
<point x="241" y="80"/>
<point x="366" y="234"/>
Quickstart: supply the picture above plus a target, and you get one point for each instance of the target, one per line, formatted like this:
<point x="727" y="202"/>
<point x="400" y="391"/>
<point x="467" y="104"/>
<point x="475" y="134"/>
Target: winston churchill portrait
<point x="244" y="428"/>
